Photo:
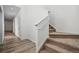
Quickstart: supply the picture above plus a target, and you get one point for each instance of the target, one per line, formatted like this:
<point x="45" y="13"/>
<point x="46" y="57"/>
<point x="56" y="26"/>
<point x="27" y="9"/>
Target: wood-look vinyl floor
<point x="12" y="44"/>
<point x="60" y="42"/>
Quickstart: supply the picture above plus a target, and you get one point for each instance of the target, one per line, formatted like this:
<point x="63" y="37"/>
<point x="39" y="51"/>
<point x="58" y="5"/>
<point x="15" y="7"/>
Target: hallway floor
<point x="12" y="44"/>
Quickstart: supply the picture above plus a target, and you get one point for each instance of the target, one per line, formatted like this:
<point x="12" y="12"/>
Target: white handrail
<point x="41" y="21"/>
<point x="42" y="28"/>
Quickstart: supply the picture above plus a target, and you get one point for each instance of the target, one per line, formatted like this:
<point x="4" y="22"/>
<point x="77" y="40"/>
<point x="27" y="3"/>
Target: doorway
<point x="8" y="28"/>
<point x="10" y="13"/>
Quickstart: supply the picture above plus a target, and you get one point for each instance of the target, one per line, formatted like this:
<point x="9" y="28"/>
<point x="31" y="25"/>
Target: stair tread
<point x="59" y="49"/>
<point x="51" y="29"/>
<point x="68" y="41"/>
<point x="60" y="33"/>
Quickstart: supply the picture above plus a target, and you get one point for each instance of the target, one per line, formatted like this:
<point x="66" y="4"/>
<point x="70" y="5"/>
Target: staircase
<point x="59" y="42"/>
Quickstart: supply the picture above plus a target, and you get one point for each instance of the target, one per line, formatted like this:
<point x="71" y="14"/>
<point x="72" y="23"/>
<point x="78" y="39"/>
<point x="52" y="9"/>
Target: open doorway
<point x="8" y="27"/>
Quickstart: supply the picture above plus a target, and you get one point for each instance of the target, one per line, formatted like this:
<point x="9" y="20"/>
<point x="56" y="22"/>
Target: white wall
<point x="30" y="15"/>
<point x="0" y="27"/>
<point x="51" y="18"/>
<point x="65" y="18"/>
<point x="16" y="25"/>
<point x="77" y="20"/>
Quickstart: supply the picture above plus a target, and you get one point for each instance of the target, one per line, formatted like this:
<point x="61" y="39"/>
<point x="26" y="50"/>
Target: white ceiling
<point x="10" y="11"/>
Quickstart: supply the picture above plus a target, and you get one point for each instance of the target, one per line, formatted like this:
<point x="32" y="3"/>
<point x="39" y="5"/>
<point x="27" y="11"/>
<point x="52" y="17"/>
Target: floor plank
<point x="12" y="44"/>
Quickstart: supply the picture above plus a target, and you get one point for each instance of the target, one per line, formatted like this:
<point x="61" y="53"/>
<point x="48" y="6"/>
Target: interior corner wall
<point x="65" y="18"/>
<point x="16" y="25"/>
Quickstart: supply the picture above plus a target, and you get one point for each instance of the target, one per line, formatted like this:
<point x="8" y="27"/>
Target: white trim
<point x="2" y="24"/>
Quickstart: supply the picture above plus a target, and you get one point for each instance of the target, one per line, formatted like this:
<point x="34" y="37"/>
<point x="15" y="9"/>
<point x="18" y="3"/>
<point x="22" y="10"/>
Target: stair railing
<point x="42" y="32"/>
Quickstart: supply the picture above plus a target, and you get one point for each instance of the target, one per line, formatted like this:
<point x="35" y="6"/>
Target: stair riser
<point x="64" y="36"/>
<point x="52" y="28"/>
<point x="52" y="31"/>
<point x="65" y="46"/>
